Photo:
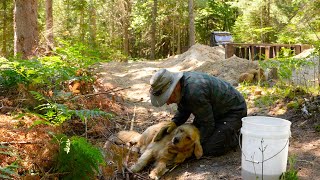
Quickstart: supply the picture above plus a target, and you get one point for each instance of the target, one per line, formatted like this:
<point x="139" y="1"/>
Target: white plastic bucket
<point x="265" y="142"/>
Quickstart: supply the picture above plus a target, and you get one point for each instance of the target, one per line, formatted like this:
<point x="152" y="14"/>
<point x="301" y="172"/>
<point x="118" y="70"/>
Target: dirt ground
<point x="134" y="77"/>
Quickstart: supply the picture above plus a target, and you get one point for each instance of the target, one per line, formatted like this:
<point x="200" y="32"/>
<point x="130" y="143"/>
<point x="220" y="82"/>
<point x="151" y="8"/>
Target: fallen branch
<point x="132" y="120"/>
<point x="20" y="142"/>
<point x="173" y="167"/>
<point x="136" y="174"/>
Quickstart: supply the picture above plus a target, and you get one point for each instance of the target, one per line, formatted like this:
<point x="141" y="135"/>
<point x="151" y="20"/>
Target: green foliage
<point x="285" y="22"/>
<point x="99" y="25"/>
<point x="267" y="99"/>
<point x="47" y="72"/>
<point x="55" y="114"/>
<point x="50" y="72"/>
<point x="214" y="16"/>
<point x="293" y="105"/>
<point x="270" y="95"/>
<point x="286" y="65"/>
<point x="78" y="54"/>
<point x="280" y="93"/>
<point x="291" y="173"/>
<point x="77" y="158"/>
<point x="9" y="171"/>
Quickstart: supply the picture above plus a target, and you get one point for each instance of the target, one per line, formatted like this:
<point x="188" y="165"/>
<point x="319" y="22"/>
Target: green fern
<point x="77" y="158"/>
<point x="88" y="114"/>
<point x="56" y="113"/>
<point x="9" y="171"/>
<point x="38" y="96"/>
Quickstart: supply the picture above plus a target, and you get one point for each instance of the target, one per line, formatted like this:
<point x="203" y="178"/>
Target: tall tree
<point x="126" y="25"/>
<point x="93" y="24"/>
<point x="192" y="36"/>
<point x="26" y="34"/>
<point x="49" y="26"/>
<point x="82" y="24"/>
<point x="153" y="29"/>
<point x="4" y="30"/>
<point x="68" y="19"/>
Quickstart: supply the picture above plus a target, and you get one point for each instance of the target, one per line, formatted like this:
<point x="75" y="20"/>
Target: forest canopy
<point x="122" y="29"/>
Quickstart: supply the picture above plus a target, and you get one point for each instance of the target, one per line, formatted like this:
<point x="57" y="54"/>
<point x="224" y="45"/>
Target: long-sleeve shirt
<point x="209" y="99"/>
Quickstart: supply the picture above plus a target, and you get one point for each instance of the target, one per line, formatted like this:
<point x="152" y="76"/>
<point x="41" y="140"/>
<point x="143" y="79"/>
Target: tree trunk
<point x="192" y="37"/>
<point x="82" y="25"/>
<point x="179" y="40"/>
<point x="153" y="29"/>
<point x="268" y="24"/>
<point x="93" y="25"/>
<point x="126" y="25"/>
<point x="126" y="38"/>
<point x="68" y="17"/>
<point x="179" y="26"/>
<point x="26" y="34"/>
<point x="4" y="35"/>
<point x="49" y="26"/>
<point x="173" y="36"/>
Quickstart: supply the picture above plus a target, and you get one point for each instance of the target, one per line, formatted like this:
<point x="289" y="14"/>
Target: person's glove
<point x="165" y="130"/>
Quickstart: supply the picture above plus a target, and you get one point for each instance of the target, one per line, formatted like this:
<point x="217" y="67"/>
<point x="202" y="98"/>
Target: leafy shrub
<point x="46" y="73"/>
<point x="78" y="54"/>
<point x="285" y="65"/>
<point x="49" y="72"/>
<point x="55" y="113"/>
<point x="77" y="158"/>
<point x="293" y="105"/>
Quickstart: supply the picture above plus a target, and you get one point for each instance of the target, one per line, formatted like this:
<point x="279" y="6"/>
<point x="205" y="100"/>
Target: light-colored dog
<point x="171" y="150"/>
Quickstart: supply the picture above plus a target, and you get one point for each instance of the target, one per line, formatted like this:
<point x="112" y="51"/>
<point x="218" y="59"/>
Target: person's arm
<point x="204" y="119"/>
<point x="181" y="115"/>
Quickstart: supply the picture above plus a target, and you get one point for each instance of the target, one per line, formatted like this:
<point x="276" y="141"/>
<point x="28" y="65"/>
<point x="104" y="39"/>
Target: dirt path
<point x="304" y="144"/>
<point x="135" y="76"/>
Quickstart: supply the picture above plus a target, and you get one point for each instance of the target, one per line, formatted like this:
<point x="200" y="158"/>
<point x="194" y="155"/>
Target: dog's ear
<point x="198" y="152"/>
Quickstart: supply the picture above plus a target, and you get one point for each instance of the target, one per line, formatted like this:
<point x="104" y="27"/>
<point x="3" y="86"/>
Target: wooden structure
<point x="260" y="51"/>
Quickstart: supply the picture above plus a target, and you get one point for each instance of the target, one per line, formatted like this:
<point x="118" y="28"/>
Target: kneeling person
<point x="217" y="106"/>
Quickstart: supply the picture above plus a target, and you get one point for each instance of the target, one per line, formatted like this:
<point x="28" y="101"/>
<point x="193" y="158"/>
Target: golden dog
<point x="171" y="150"/>
<point x="137" y="140"/>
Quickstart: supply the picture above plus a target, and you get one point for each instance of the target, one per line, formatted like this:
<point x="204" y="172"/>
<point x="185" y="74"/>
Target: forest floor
<point x="304" y="142"/>
<point x="128" y="98"/>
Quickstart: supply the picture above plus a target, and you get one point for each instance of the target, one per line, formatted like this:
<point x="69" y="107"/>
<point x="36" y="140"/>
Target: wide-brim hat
<point x="162" y="84"/>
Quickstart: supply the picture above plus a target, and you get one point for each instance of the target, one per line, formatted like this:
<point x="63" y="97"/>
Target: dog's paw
<point x="135" y="149"/>
<point x="157" y="173"/>
<point x="153" y="175"/>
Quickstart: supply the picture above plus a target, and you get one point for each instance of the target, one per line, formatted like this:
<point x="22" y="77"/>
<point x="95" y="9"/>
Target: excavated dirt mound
<point x="210" y="60"/>
<point x="194" y="57"/>
<point x="228" y="69"/>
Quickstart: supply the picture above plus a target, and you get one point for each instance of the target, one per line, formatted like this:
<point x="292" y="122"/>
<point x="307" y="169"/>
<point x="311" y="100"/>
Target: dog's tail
<point x="129" y="138"/>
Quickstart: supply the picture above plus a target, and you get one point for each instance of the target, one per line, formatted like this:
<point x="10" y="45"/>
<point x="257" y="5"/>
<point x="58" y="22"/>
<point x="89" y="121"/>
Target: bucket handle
<point x="240" y="134"/>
